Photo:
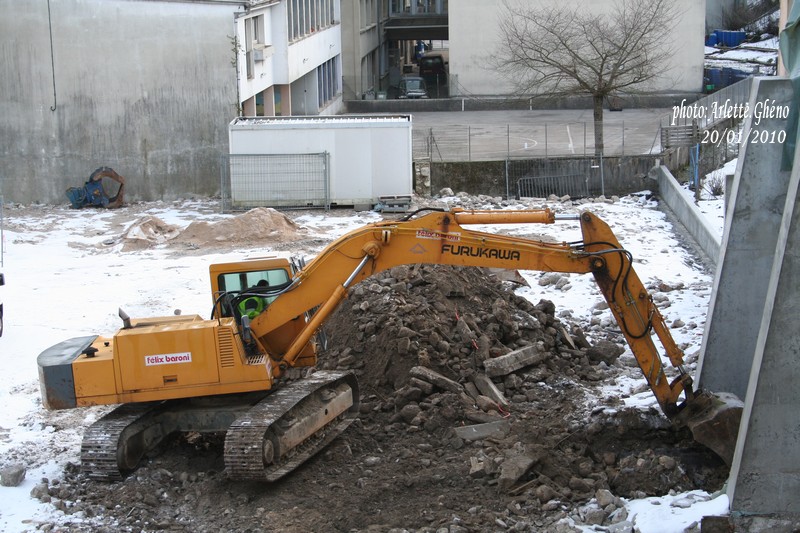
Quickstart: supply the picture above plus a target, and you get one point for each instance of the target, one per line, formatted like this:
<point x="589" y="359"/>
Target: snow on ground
<point x="66" y="276"/>
<point x="712" y="203"/>
<point x="759" y="57"/>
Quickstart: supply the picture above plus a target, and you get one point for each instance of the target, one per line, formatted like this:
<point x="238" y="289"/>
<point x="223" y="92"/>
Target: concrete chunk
<point x="498" y="429"/>
<point x="12" y="475"/>
<point x="472" y="390"/>
<point x="425" y="386"/>
<point x="490" y="390"/>
<point x="513" y="469"/>
<point x="487" y="404"/>
<point x="506" y="364"/>
<point x="431" y="376"/>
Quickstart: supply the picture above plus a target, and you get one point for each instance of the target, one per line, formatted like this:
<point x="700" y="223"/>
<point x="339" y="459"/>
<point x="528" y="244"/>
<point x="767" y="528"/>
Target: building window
<point x="254" y="38"/>
<point x="328" y="87"/>
<point x="418" y="7"/>
<point x="369" y="15"/>
<point x="306" y="17"/>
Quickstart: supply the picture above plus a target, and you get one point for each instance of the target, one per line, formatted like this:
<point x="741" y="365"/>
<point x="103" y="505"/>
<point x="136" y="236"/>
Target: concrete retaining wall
<point x="671" y="194"/>
<point x="621" y="175"/>
<point x="755" y="203"/>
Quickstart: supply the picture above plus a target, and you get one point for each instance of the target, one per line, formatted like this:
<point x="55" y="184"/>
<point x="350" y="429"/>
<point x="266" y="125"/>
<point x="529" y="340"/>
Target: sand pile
<point x="258" y="226"/>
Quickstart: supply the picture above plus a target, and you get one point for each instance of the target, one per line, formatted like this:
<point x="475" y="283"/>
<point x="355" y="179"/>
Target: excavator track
<point x="290" y="425"/>
<point x="110" y="445"/>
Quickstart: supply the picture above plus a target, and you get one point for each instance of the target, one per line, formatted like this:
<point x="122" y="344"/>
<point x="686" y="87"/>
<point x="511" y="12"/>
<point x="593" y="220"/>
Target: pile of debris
<point x="452" y="357"/>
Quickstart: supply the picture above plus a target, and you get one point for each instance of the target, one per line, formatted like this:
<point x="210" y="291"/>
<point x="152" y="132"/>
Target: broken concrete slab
<point x="487" y="404"/>
<point x="425" y="386"/>
<point x="513" y="361"/>
<point x="497" y="429"/>
<point x="472" y="390"/>
<point x="513" y="469"/>
<point x="487" y="388"/>
<point x="435" y="378"/>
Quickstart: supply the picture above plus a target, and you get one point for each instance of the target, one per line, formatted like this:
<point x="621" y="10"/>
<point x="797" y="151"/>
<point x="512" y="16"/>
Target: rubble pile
<point x="452" y="357"/>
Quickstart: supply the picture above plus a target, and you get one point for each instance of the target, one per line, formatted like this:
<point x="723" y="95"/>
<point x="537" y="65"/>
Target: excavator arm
<point x="440" y="237"/>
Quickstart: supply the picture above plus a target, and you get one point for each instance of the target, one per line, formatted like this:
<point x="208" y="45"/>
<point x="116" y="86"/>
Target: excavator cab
<point x="246" y="288"/>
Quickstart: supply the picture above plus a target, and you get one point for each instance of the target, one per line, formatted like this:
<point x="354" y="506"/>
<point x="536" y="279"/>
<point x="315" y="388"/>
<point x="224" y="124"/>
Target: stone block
<point x="511" y="362"/>
<point x="498" y="429"/>
<point x="435" y="378"/>
<point x="487" y="388"/>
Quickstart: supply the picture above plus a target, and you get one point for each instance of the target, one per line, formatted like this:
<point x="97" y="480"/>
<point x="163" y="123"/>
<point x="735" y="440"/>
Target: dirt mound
<point x="261" y="225"/>
<point x="146" y="232"/>
<point x="453" y="358"/>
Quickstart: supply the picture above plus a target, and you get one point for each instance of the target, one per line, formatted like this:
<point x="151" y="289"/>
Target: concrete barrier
<point x="755" y="209"/>
<point x="687" y="213"/>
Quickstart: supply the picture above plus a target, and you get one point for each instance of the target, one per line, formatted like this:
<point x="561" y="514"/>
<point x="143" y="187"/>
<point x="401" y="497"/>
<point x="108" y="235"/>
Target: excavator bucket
<point x="714" y="420"/>
<point x="93" y="193"/>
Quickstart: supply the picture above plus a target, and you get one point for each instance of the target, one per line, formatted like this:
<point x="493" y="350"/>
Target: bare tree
<point x="569" y="49"/>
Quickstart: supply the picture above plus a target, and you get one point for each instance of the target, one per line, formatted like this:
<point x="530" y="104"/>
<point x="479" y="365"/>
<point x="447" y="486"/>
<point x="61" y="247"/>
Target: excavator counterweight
<point x="230" y="372"/>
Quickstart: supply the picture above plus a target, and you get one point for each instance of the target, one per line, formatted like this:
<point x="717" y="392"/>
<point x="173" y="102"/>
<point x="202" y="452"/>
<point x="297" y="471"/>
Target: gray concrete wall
<point x="670" y="192"/>
<point x="621" y="175"/>
<point x="748" y="246"/>
<point x="715" y="11"/>
<point x="146" y="88"/>
<point x="765" y="476"/>
<point x="475" y="35"/>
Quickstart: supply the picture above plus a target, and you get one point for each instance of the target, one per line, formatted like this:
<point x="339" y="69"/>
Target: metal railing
<point x="574" y="185"/>
<point x="460" y="143"/>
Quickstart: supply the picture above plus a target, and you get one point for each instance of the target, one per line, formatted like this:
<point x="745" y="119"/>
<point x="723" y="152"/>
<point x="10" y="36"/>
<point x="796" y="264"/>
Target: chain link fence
<point x="275" y="180"/>
<point x="515" y="141"/>
<point x="453" y="143"/>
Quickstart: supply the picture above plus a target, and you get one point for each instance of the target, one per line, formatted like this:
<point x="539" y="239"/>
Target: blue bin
<point x="730" y="39"/>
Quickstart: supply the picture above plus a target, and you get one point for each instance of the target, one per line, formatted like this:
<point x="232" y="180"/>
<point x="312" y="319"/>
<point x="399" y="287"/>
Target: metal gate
<point x="574" y="185"/>
<point x="275" y="180"/>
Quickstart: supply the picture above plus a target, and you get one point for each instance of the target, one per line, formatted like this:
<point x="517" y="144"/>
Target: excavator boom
<point x="439" y="237"/>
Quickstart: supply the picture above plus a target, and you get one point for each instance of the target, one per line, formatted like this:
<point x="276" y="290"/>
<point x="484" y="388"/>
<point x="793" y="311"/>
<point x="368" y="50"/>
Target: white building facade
<point x="289" y="58"/>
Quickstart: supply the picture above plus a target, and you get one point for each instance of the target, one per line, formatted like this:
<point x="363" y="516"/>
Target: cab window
<point x="236" y="283"/>
<point x="239" y="281"/>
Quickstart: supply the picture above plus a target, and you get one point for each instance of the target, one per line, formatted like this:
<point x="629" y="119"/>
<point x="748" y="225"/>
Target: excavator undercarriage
<point x="267" y="434"/>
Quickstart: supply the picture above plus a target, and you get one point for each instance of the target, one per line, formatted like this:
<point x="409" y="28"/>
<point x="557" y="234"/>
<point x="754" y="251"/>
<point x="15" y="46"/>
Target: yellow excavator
<point x="227" y="373"/>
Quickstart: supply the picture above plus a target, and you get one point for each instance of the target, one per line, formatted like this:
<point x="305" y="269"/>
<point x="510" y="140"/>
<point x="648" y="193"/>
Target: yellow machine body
<point x="171" y="357"/>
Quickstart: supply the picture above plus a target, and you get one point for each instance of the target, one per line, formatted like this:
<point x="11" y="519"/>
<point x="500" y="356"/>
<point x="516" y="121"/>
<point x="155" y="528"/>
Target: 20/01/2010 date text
<point x="754" y="136"/>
